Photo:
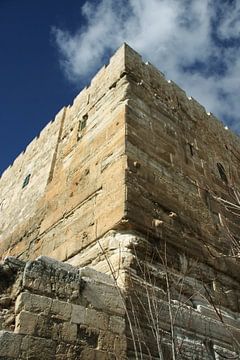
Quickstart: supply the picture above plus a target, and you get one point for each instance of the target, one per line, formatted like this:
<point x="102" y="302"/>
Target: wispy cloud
<point x="196" y="43"/>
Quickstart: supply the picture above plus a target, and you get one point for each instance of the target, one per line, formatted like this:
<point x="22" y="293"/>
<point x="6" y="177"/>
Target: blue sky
<point x="50" y="49"/>
<point x="33" y="86"/>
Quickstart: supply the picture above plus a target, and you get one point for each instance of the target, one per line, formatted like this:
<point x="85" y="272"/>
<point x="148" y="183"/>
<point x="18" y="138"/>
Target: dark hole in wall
<point x="82" y="125"/>
<point x="191" y="149"/>
<point x="83" y="122"/>
<point x="222" y="172"/>
<point x="26" y="181"/>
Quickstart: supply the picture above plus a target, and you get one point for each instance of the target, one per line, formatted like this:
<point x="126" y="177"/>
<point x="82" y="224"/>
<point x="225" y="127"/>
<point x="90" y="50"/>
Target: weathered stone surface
<point x="47" y="327"/>
<point x="117" y="325"/>
<point x="52" y="278"/>
<point x="37" y="348"/>
<point x="69" y="332"/>
<point x="34" y="303"/>
<point x="26" y="323"/>
<point x="9" y="344"/>
<point x="61" y="310"/>
<point x="78" y="315"/>
<point x="96" y="319"/>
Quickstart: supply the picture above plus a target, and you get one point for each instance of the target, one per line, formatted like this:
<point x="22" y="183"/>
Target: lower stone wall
<point x="180" y="307"/>
<point x="51" y="310"/>
<point x="170" y="305"/>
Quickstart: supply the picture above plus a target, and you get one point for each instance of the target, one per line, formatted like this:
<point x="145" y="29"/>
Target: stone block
<point x="26" y="323"/>
<point x="120" y="347"/>
<point x="117" y="324"/>
<point x="61" y="310"/>
<point x="87" y="354"/>
<point x="45" y="327"/>
<point x="37" y="348"/>
<point x="68" y="351"/>
<point x="104" y="355"/>
<point x="78" y="315"/>
<point x="106" y="340"/>
<point x="226" y="319"/>
<point x="69" y="332"/>
<point x="87" y="272"/>
<point x="104" y="297"/>
<point x="10" y="344"/>
<point x="92" y="354"/>
<point x="96" y="319"/>
<point x="52" y="278"/>
<point x="33" y="303"/>
<point x="5" y="301"/>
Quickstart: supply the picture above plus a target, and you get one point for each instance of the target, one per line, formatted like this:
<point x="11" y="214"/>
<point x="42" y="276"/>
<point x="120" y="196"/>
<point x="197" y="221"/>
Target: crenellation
<point x="96" y="80"/>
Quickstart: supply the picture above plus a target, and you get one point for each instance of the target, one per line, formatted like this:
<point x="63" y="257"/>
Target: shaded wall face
<point x="180" y="162"/>
<point x="180" y="305"/>
<point x="183" y="166"/>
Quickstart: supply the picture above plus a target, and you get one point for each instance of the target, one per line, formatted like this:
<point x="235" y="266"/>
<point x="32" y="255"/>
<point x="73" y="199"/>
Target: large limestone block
<point x="10" y="345"/>
<point x="50" y="277"/>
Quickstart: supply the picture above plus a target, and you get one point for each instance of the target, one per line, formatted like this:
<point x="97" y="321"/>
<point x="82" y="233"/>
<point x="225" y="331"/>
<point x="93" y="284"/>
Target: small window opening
<point x="222" y="172"/>
<point x="26" y="181"/>
<point x="82" y="125"/>
<point x="85" y="117"/>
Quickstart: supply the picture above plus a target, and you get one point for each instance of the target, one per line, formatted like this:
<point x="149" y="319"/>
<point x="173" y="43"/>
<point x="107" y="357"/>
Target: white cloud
<point x="230" y="20"/>
<point x="196" y="43"/>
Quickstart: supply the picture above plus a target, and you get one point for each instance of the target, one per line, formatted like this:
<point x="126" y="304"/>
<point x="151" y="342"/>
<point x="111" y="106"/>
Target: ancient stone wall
<point x="82" y="194"/>
<point x="141" y="184"/>
<point x="24" y="182"/>
<point x="178" y="305"/>
<point x="180" y="161"/>
<point x="183" y="168"/>
<point x="50" y="310"/>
